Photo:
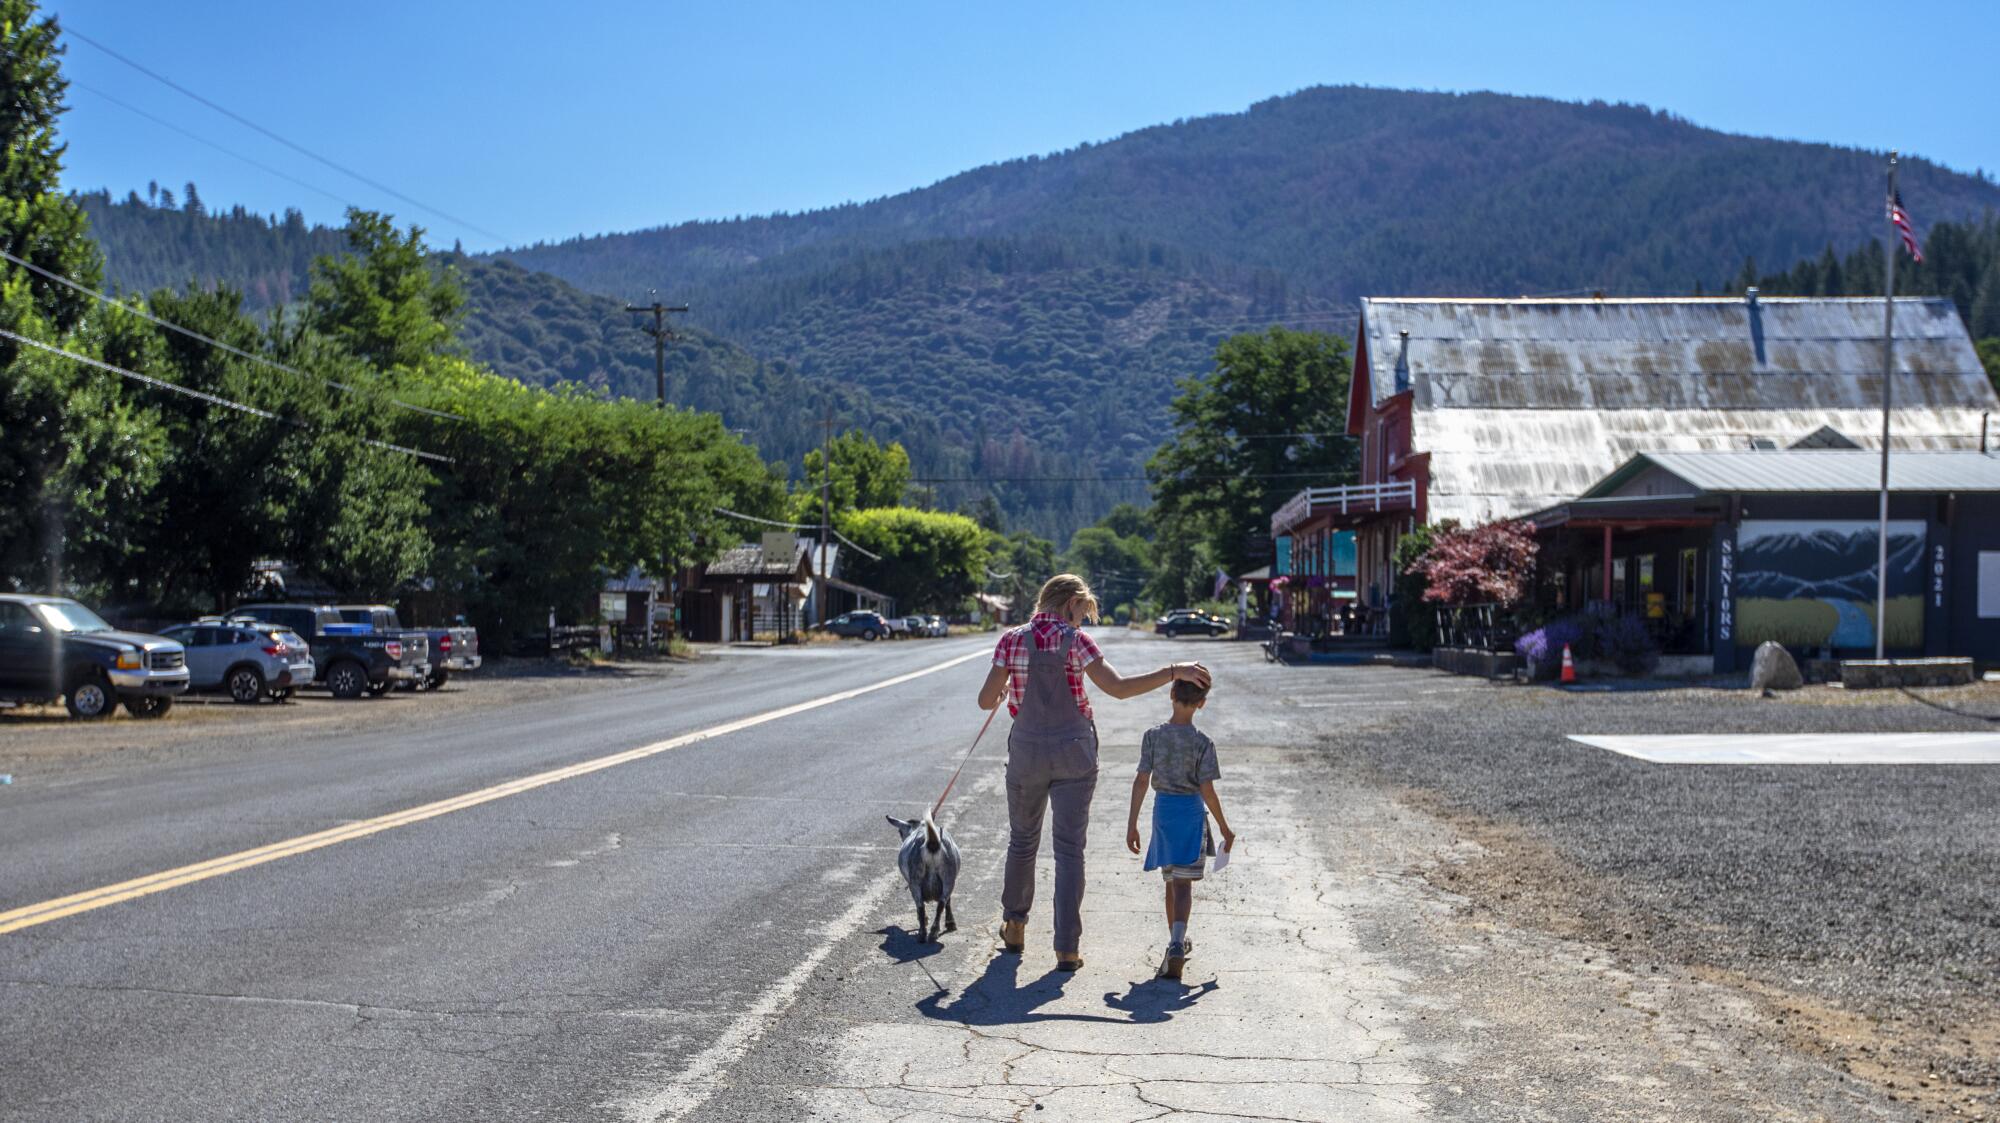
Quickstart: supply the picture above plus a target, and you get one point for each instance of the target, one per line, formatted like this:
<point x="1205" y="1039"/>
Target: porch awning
<point x="1630" y="512"/>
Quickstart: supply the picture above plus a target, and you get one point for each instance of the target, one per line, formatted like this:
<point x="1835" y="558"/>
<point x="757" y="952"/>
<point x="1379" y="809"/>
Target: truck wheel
<point x="377" y="689"/>
<point x="437" y="680"/>
<point x="346" y="679"/>
<point x="246" y="685"/>
<point x="282" y="695"/>
<point x="148" y="707"/>
<point x="89" y="696"/>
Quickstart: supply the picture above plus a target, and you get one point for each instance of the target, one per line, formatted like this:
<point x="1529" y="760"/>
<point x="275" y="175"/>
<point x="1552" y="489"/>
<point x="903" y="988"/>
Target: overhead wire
<point x="255" y="163"/>
<point x="156" y="76"/>
<point x="203" y="395"/>
<point x="195" y="335"/>
<point x="862" y="550"/>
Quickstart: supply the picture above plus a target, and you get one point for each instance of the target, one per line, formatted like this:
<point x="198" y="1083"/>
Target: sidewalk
<point x="1280" y="1014"/>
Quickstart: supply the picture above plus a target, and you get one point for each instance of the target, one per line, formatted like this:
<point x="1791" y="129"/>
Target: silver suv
<point x="249" y="659"/>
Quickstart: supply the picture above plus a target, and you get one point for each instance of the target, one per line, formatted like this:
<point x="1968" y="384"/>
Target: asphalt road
<point x="1533" y="929"/>
<point x="518" y="959"/>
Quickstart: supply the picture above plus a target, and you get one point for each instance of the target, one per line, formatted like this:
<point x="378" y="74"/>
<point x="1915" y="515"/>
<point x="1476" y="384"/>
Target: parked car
<point x="352" y="659"/>
<point x="915" y="626"/>
<point x="451" y="649"/>
<point x="246" y="658"/>
<point x="1190" y="621"/>
<point x="865" y="625"/>
<point x="53" y="647"/>
<point x="899" y="627"/>
<point x="937" y="626"/>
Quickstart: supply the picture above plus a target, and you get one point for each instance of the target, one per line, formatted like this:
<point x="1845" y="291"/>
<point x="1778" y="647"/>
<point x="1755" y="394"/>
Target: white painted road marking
<point x="672" y="1099"/>
<point x="43" y="912"/>
<point x="1804" y="748"/>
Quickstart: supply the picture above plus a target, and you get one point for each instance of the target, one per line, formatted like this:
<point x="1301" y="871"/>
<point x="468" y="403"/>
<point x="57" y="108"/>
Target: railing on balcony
<point x="1393" y="495"/>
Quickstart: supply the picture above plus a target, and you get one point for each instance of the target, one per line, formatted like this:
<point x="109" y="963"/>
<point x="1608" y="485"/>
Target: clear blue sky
<point x="543" y="120"/>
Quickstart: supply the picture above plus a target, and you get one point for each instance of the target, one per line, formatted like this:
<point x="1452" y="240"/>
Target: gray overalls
<point x="1051" y="761"/>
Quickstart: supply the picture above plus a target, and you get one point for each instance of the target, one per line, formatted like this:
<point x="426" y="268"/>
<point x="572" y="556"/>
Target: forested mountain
<point x="539" y="330"/>
<point x="1022" y="325"/>
<point x="1344" y="192"/>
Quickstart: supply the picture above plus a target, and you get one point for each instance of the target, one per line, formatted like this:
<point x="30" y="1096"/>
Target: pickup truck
<point x="53" y="647"/>
<point x="452" y="649"/>
<point x="352" y="659"/>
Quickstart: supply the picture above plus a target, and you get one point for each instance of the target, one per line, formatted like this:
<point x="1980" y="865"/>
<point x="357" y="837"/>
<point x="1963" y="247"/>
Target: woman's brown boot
<point x="1013" y="935"/>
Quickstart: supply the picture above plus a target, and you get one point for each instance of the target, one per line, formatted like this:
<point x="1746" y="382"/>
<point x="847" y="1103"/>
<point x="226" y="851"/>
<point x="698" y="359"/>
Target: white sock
<point x="1177" y="931"/>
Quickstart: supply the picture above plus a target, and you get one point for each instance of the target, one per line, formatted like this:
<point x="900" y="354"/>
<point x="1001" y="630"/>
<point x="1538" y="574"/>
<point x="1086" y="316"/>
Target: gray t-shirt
<point x="1180" y="757"/>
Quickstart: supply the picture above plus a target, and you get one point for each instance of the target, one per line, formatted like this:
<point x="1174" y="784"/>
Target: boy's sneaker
<point x="1177" y="957"/>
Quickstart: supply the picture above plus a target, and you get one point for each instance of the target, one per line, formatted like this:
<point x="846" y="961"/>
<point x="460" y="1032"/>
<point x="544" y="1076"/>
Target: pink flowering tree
<point x="1489" y="564"/>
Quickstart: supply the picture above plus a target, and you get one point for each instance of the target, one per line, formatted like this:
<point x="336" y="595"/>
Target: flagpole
<point x="1888" y="393"/>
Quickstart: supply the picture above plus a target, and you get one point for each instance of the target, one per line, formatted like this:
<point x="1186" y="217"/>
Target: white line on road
<point x="1803" y="748"/>
<point x="42" y="912"/>
<point x="699" y="1079"/>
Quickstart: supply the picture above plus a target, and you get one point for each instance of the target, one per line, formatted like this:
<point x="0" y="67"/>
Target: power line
<point x="864" y="552"/>
<point x="192" y="334"/>
<point x="258" y="164"/>
<point x="1111" y="479"/>
<point x="293" y="145"/>
<point x="212" y="399"/>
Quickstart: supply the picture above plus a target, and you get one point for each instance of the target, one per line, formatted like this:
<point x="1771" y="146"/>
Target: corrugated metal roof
<point x="1525" y="403"/>
<point x="1803" y="470"/>
<point x="749" y="561"/>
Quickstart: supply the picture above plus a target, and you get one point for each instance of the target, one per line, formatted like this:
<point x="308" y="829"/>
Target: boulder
<point x="1773" y="668"/>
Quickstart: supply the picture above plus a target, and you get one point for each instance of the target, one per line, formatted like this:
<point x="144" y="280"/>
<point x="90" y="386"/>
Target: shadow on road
<point x="903" y="946"/>
<point x="1157" y="1000"/>
<point x="997" y="998"/>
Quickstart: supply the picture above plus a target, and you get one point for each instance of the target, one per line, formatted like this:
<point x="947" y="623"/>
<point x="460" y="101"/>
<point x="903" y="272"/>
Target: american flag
<point x="1901" y="218"/>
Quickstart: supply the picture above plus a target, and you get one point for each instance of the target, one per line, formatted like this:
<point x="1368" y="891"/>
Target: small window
<point x="15" y="620"/>
<point x="204" y="636"/>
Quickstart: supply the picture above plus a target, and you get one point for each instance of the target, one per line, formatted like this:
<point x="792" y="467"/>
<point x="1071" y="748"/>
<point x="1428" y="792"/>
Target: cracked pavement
<point x="717" y="933"/>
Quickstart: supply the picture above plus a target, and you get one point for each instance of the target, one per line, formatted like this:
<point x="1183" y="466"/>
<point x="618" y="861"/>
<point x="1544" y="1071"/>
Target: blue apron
<point x="1180" y="830"/>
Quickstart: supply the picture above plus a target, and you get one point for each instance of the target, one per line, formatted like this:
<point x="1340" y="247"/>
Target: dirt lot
<point x="37" y="738"/>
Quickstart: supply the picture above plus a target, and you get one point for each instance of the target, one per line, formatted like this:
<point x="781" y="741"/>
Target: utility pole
<point x="660" y="333"/>
<point x="825" y="510"/>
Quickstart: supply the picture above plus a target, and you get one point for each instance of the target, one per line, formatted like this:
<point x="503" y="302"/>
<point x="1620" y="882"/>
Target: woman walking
<point x="1039" y="669"/>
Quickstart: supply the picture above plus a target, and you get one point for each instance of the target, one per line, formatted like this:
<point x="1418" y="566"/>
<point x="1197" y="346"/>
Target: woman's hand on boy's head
<point x="1189" y="672"/>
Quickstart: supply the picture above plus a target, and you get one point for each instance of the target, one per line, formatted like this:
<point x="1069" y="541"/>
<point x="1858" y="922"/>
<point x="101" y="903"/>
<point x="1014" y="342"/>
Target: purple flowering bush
<point x="1598" y="632"/>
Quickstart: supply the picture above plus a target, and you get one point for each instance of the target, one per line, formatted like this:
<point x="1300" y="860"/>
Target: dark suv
<point x="867" y="625"/>
<point x="351" y="658"/>
<point x="53" y="647"/>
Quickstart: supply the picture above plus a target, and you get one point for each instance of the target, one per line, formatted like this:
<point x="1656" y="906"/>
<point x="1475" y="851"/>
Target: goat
<point x="929" y="863"/>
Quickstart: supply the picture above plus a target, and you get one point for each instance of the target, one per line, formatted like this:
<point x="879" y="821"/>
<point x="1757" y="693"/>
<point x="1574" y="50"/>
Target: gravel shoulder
<point x="1855" y="909"/>
<point x="39" y="740"/>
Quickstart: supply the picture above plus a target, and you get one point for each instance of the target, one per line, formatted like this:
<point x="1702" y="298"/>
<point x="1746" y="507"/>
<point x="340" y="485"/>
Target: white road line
<point x="42" y="912"/>
<point x="702" y="1076"/>
<point x="699" y="1078"/>
<point x="1803" y="748"/>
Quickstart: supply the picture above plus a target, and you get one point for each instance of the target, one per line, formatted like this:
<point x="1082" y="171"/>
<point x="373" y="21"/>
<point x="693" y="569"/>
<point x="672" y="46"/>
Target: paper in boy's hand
<point x="1221" y="860"/>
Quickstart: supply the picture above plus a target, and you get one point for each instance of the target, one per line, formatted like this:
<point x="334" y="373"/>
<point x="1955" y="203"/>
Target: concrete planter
<point x="1877" y="674"/>
<point x="1471" y="661"/>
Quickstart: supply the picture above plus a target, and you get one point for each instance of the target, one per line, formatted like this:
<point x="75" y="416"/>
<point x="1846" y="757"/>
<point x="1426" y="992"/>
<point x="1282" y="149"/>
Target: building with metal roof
<point x="1475" y="409"/>
<point x="1721" y="551"/>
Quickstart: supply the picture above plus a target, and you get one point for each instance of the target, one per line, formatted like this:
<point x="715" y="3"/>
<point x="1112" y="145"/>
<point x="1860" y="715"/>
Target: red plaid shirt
<point x="1047" y="628"/>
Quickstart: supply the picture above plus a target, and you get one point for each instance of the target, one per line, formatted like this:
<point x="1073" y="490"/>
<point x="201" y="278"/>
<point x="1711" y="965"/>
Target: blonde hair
<point x="1058" y="591"/>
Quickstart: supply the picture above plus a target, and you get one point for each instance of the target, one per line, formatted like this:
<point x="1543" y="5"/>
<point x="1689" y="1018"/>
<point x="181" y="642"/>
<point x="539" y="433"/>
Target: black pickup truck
<point x="352" y="659"/>
<point x="53" y="647"/>
<point x="451" y="649"/>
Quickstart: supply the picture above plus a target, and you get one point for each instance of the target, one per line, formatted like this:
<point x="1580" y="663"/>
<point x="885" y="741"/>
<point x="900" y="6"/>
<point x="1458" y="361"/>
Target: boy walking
<point x="1179" y="762"/>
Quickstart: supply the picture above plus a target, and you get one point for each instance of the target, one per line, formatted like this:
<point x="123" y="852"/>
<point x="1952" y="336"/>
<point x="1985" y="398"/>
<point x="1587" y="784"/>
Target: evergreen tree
<point x="74" y="453"/>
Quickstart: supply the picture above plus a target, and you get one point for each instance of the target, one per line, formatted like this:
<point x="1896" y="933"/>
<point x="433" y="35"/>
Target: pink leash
<point x="939" y="805"/>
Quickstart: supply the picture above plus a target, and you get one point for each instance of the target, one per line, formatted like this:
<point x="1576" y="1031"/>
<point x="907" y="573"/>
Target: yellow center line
<point x="28" y="916"/>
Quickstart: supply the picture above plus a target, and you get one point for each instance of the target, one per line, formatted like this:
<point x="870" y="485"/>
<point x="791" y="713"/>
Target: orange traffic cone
<point x="1569" y="666"/>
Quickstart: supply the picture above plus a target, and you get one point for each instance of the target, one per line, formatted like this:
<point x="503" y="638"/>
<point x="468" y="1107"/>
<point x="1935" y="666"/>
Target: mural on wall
<point x="1810" y="583"/>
